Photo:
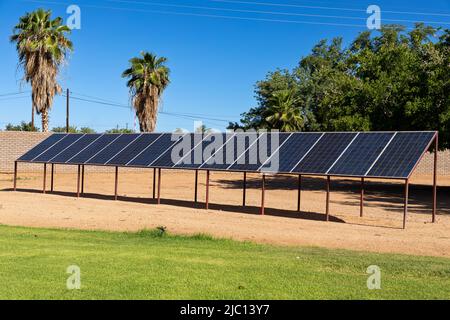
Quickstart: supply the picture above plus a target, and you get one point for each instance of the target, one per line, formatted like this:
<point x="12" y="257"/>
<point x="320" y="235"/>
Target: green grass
<point x="154" y="265"/>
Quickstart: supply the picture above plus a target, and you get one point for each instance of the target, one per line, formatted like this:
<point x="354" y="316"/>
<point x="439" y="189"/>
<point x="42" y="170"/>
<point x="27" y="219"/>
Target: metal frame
<point x="81" y="174"/>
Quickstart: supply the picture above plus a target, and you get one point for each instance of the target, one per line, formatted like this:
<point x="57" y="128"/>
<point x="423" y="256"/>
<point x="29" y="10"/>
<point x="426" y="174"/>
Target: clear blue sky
<point x="215" y="61"/>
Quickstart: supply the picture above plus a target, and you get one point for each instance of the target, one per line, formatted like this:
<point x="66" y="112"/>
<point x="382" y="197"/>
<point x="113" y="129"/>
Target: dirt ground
<point x="378" y="231"/>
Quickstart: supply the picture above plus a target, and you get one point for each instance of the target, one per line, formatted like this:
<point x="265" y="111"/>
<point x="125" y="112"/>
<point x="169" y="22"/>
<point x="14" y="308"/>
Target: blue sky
<point x="214" y="61"/>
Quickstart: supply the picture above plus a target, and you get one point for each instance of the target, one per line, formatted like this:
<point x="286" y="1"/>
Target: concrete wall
<point x="14" y="144"/>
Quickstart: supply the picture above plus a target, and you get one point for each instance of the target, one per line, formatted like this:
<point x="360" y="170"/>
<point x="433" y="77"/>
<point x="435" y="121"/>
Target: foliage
<point x="23" y="126"/>
<point x="119" y="130"/>
<point x="148" y="77"/>
<point x="73" y="129"/>
<point x="42" y="47"/>
<point x="389" y="80"/>
<point x="203" y="129"/>
<point x="146" y="265"/>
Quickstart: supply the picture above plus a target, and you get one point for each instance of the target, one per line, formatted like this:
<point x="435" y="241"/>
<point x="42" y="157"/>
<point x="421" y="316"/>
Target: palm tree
<point x="148" y="77"/>
<point x="42" y="47"/>
<point x="283" y="112"/>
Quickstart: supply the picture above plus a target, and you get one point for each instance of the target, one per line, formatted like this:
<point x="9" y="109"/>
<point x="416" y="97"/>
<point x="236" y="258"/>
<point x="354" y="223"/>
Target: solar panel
<point x="234" y="147"/>
<point x="260" y="152"/>
<point x="361" y="154"/>
<point x="94" y="148"/>
<point x="324" y="153"/>
<point x="291" y="152"/>
<point x="402" y="154"/>
<point x="41" y="147"/>
<point x="153" y="152"/>
<point x="134" y="149"/>
<point x="195" y="157"/>
<point x="367" y="154"/>
<point x="110" y="151"/>
<point x="58" y="148"/>
<point x="176" y="150"/>
<point x="75" y="148"/>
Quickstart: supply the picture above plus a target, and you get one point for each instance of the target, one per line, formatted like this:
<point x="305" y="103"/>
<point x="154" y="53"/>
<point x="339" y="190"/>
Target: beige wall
<point x="14" y="144"/>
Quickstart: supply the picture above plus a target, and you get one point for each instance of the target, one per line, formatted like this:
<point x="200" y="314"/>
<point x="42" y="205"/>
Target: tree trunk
<point x="44" y="116"/>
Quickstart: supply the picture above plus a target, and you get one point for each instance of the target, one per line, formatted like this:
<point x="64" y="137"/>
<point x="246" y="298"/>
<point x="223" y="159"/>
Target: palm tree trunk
<point x="44" y="116"/>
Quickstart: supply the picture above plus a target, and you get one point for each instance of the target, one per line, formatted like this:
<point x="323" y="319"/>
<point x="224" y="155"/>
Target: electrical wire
<point x="268" y="12"/>
<point x="328" y="8"/>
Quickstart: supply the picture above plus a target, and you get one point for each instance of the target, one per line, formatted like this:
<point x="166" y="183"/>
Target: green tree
<point x="73" y="129"/>
<point x="282" y="112"/>
<point x="385" y="80"/>
<point x="119" y="130"/>
<point x="148" y="77"/>
<point x="23" y="126"/>
<point x="42" y="46"/>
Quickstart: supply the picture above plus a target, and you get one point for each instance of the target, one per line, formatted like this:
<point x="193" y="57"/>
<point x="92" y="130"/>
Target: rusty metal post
<point x="435" y="178"/>
<point x="328" y="199"/>
<point x="361" y="204"/>
<point x="207" y="190"/>
<point x="196" y="186"/>
<point x="82" y="179"/>
<point x="244" y="189"/>
<point x="116" y="183"/>
<point x="405" y="209"/>
<point x="159" y="185"/>
<point x="78" y="181"/>
<point x="52" y="177"/>
<point x="299" y="194"/>
<point x="15" y="175"/>
<point x="45" y="179"/>
<point x="263" y="191"/>
<point x="154" y="183"/>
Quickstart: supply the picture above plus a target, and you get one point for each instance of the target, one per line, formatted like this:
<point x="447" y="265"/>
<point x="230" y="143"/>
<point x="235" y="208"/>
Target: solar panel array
<point x="359" y="154"/>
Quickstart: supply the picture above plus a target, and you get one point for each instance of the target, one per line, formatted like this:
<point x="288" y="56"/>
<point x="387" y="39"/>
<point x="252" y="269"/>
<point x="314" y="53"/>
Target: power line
<point x="211" y="15"/>
<point x="14" y="98"/>
<point x="268" y="12"/>
<point x="328" y="8"/>
<point x="14" y="93"/>
<point x="179" y="115"/>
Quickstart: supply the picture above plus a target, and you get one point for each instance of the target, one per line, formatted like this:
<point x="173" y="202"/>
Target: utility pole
<point x="32" y="115"/>
<point x="67" y="109"/>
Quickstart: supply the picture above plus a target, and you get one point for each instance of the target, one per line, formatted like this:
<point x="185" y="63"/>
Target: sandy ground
<point x="378" y="231"/>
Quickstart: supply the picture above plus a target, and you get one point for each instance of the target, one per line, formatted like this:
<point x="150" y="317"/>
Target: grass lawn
<point x="145" y="265"/>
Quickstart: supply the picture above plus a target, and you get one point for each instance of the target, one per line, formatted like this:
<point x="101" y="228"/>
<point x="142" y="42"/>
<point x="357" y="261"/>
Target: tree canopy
<point x="389" y="80"/>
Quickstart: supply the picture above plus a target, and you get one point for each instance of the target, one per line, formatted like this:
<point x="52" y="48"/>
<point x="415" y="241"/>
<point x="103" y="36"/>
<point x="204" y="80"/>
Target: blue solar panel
<point x="291" y="152"/>
<point x="381" y="154"/>
<point x="134" y="149"/>
<point x="402" y="154"/>
<point x="324" y="153"/>
<point x="93" y="149"/>
<point x="176" y="150"/>
<point x="153" y="152"/>
<point x="58" y="148"/>
<point x="110" y="151"/>
<point x="75" y="148"/>
<point x="235" y="146"/>
<point x="260" y="152"/>
<point x="200" y="146"/>
<point x="361" y="154"/>
<point x="41" y="147"/>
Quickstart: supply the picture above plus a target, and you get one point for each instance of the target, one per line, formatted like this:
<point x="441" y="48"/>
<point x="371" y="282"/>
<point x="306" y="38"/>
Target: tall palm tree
<point x="148" y="77"/>
<point x="42" y="46"/>
<point x="283" y="112"/>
